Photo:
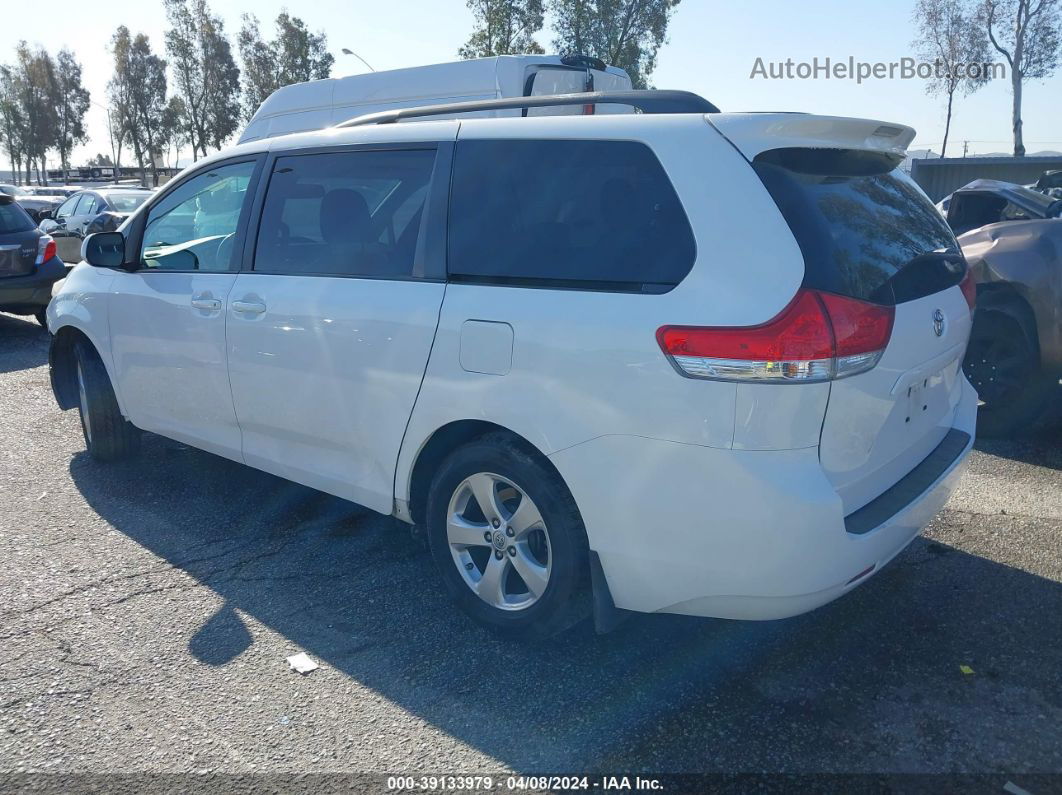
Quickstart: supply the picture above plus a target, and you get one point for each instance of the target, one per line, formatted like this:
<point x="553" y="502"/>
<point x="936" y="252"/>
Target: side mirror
<point x="44" y="214"/>
<point x="104" y="249"/>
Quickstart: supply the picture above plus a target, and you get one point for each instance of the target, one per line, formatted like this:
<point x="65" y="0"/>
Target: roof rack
<point x="645" y="101"/>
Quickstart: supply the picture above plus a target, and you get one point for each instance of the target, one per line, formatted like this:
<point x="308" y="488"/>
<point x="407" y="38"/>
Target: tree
<point x="101" y="160"/>
<point x="205" y="73"/>
<point x="950" y="37"/>
<point x="503" y="27"/>
<point x="138" y="96"/>
<point x="71" y="103"/>
<point x="116" y="135"/>
<point x="1027" y="33"/>
<point x="624" y="33"/>
<point x="173" y="132"/>
<point x="121" y="116"/>
<point x="294" y="56"/>
<point x="222" y="98"/>
<point x="35" y="89"/>
<point x="12" y="121"/>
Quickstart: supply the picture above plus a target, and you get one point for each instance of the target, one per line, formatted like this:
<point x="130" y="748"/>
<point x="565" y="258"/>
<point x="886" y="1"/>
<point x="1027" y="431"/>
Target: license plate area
<point x="925" y="401"/>
<point x="11" y="263"/>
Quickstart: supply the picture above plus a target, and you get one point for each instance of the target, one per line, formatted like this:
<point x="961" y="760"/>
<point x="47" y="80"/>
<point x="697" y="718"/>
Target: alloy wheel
<point x="499" y="541"/>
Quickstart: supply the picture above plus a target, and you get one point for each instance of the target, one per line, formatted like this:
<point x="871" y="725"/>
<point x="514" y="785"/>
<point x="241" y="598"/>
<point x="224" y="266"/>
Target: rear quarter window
<point x="571" y="214"/>
<point x="125" y="202"/>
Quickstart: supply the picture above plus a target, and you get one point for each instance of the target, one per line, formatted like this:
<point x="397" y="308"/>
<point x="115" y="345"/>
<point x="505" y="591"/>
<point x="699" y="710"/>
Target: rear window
<point x="126" y="202"/>
<point x="574" y="214"/>
<point x="14" y="219"/>
<point x="863" y="225"/>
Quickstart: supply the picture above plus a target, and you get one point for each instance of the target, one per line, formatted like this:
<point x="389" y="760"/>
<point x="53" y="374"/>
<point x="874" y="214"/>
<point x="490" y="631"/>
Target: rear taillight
<point x="45" y="249"/>
<point x="968" y="285"/>
<point x="818" y="337"/>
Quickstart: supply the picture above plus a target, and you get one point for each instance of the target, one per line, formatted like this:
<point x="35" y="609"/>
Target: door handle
<point x="209" y="304"/>
<point x="248" y="307"/>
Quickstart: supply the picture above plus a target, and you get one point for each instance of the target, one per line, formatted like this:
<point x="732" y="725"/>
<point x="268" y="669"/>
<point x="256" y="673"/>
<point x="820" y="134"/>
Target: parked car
<point x="672" y="361"/>
<point x="62" y="191"/>
<point x="321" y="103"/>
<point x="989" y="201"/>
<point x="1012" y="238"/>
<point x="29" y="266"/>
<point x="37" y="206"/>
<point x="88" y="211"/>
<point x="1049" y="181"/>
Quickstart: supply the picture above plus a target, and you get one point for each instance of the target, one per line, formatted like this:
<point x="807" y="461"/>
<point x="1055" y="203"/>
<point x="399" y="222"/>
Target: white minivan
<point x="674" y="361"/>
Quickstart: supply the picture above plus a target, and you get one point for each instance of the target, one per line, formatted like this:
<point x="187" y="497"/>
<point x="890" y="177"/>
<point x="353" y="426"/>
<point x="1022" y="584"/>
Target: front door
<point x="329" y="334"/>
<point x="60" y="227"/>
<point x="168" y="318"/>
<point x="76" y="226"/>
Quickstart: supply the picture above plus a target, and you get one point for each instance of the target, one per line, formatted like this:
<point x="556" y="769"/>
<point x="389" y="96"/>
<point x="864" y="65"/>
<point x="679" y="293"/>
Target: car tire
<point x="483" y="560"/>
<point x="108" y="435"/>
<point x="1003" y="365"/>
<point x="41" y="316"/>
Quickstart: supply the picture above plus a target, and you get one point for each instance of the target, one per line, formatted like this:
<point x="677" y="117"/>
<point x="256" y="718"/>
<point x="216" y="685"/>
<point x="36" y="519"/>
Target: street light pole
<point x="345" y="51"/>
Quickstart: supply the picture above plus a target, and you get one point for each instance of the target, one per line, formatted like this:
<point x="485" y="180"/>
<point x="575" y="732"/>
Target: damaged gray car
<point x="1012" y="238"/>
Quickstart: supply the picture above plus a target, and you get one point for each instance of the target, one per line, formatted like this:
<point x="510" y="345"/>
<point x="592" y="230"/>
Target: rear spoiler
<point x="754" y="133"/>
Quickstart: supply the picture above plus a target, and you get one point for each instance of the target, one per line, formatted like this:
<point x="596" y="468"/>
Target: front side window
<point x="193" y="228"/>
<point x="86" y="205"/>
<point x="578" y="214"/>
<point x="66" y="209"/>
<point x="345" y="213"/>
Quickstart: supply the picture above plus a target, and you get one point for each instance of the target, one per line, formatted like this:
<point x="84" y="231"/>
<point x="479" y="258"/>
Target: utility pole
<point x="965" y="148"/>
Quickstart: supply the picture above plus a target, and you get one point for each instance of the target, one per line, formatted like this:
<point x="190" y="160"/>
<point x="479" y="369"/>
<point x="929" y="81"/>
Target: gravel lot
<point x="146" y="610"/>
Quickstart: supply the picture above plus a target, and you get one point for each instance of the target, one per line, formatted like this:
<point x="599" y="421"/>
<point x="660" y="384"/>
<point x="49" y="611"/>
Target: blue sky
<point x="712" y="49"/>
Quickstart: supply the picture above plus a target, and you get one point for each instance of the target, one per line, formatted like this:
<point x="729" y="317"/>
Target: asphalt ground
<point x="147" y="608"/>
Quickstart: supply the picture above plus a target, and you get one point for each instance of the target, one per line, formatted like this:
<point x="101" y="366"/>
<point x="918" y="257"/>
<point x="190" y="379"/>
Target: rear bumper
<point x="740" y="534"/>
<point x="32" y="291"/>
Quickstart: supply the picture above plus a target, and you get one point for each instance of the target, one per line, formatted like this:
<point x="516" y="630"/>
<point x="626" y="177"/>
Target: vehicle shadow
<point x="23" y="343"/>
<point x="869" y="683"/>
<point x="1040" y="447"/>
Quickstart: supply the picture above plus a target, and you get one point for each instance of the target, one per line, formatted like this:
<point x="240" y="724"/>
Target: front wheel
<point x="108" y="435"/>
<point x="41" y="316"/>
<point x="507" y="539"/>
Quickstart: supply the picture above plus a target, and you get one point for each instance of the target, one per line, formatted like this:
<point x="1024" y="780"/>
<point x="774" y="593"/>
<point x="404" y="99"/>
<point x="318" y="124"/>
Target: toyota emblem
<point x="938" y="323"/>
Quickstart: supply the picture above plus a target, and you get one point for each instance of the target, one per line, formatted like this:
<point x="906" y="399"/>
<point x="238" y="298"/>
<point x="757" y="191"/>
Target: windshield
<point x="12" y="190"/>
<point x="126" y="202"/>
<point x="14" y="219"/>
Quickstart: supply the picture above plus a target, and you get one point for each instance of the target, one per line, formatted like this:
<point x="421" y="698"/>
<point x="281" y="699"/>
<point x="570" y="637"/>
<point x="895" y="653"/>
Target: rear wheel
<point x="108" y="435"/>
<point x="1003" y="366"/>
<point x="41" y="316"/>
<point x="507" y="539"/>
